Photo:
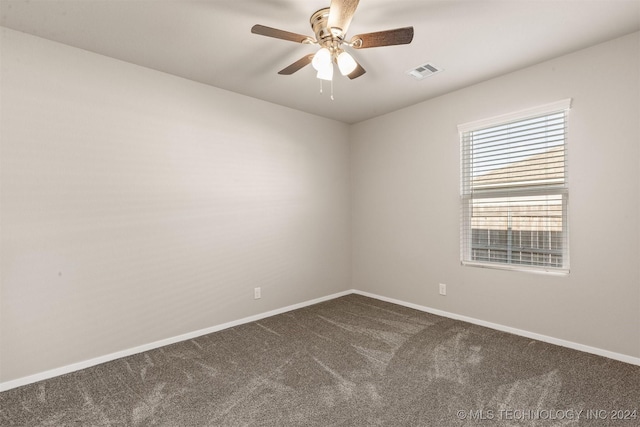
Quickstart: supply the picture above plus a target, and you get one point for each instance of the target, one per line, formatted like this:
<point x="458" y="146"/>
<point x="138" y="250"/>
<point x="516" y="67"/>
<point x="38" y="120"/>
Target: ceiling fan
<point x="330" y="27"/>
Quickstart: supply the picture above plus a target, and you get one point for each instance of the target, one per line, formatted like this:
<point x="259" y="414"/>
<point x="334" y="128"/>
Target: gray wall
<point x="138" y="206"/>
<point x="405" y="211"/>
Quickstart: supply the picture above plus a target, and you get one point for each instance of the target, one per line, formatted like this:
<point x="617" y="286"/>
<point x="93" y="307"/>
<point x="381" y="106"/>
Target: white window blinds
<point x="514" y="190"/>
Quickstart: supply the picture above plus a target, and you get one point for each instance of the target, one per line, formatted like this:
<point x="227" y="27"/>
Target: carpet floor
<point x="351" y="361"/>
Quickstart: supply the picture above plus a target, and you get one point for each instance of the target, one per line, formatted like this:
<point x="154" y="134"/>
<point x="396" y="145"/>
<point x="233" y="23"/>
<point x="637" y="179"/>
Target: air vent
<point x="424" y="70"/>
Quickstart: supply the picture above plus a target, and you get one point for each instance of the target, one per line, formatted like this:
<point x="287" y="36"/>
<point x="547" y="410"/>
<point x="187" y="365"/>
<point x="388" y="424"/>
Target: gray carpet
<point x="352" y="361"/>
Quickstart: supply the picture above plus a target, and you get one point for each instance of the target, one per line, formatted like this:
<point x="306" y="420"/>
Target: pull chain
<point x="331" y="88"/>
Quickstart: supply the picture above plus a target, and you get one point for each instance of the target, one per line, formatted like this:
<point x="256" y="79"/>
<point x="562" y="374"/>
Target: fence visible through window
<point x="525" y="247"/>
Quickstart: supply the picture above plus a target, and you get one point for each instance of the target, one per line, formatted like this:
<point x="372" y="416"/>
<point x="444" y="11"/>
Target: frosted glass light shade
<point x="321" y="59"/>
<point x="326" y="72"/>
<point x="346" y="63"/>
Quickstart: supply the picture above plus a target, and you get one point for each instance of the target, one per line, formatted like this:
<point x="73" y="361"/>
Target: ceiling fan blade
<point x="340" y="14"/>
<point x="357" y="72"/>
<point x="279" y="34"/>
<point x="300" y="63"/>
<point x="383" y="38"/>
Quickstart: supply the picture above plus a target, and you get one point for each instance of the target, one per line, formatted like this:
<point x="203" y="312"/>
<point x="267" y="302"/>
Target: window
<point x="514" y="190"/>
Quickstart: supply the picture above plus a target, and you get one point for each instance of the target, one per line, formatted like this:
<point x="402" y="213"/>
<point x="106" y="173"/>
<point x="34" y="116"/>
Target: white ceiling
<point x="211" y="42"/>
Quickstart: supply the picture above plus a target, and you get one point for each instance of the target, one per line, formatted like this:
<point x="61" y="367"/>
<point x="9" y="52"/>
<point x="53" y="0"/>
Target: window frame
<point x="467" y="195"/>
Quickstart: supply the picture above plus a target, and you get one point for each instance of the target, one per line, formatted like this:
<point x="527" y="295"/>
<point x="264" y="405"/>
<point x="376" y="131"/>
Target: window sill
<point x="523" y="268"/>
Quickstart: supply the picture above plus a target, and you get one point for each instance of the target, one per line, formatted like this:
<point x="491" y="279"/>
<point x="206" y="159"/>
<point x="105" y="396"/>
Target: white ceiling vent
<point x="424" y="70"/>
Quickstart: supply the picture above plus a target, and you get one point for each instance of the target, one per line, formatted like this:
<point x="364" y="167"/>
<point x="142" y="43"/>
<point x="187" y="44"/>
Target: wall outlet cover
<point x="443" y="289"/>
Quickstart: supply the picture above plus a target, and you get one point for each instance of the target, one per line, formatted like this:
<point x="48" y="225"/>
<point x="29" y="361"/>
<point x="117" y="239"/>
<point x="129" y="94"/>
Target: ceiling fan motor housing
<point x="320" y="26"/>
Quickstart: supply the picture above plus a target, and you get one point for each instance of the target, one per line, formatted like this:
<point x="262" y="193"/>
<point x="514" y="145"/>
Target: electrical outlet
<point x="443" y="289"/>
<point x="257" y="293"/>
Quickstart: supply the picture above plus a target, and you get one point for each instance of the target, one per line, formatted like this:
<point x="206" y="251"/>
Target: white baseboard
<point x="539" y="337"/>
<point x="8" y="385"/>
